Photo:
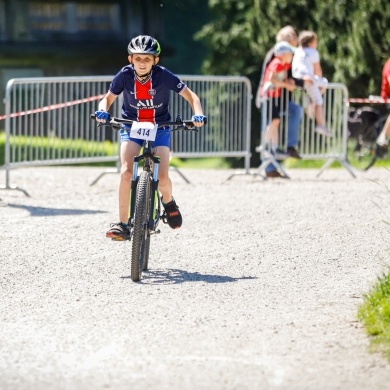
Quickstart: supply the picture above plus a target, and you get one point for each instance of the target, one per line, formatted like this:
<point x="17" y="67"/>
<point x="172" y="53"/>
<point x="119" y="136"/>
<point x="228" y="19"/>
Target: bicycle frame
<point x="150" y="160"/>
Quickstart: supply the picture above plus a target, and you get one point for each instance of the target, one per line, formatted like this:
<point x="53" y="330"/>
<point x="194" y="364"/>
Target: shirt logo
<point x="145" y="103"/>
<point x="179" y="85"/>
<point x="151" y="92"/>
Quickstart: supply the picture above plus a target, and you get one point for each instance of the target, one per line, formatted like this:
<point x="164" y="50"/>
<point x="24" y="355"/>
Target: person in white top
<point x="306" y="65"/>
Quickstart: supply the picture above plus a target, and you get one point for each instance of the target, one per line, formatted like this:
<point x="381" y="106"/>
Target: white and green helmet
<point x="144" y="44"/>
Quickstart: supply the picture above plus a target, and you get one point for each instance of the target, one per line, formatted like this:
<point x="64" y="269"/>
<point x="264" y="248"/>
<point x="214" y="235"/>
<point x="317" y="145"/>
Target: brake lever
<point x="113" y="125"/>
<point x="193" y="128"/>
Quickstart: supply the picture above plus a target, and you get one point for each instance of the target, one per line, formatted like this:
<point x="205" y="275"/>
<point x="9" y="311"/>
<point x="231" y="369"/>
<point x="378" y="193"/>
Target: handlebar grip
<point x="205" y="120"/>
<point x="93" y="116"/>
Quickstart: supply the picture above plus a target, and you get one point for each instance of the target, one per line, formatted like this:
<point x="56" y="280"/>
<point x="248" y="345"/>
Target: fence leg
<point x="267" y="161"/>
<point x="17" y="189"/>
<point x="180" y="173"/>
<point x="246" y="173"/>
<point x="102" y="174"/>
<point x="8" y="187"/>
<point x="343" y="162"/>
<point x="348" y="167"/>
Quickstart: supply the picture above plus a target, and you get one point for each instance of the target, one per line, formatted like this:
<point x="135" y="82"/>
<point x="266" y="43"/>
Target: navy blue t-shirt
<point x="148" y="100"/>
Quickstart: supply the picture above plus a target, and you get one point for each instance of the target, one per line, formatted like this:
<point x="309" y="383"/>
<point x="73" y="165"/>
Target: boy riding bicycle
<point x="146" y="88"/>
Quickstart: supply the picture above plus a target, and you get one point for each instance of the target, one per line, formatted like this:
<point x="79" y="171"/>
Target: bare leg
<point x="319" y="114"/>
<point x="165" y="183"/>
<point x="272" y="133"/>
<point x="128" y="151"/>
<point x="316" y="97"/>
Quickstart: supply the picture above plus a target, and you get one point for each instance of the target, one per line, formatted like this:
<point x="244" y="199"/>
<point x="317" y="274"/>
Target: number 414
<point x="144" y="132"/>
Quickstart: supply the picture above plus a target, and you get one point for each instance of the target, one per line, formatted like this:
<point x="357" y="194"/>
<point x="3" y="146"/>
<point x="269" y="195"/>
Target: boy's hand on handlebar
<point x="198" y="120"/>
<point x="102" y="116"/>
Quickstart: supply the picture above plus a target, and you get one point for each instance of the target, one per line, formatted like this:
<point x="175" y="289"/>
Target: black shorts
<point x="275" y="108"/>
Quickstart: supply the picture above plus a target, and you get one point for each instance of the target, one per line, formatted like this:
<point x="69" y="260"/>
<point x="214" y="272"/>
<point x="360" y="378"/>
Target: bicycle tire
<point x="145" y="262"/>
<point x="154" y="198"/>
<point x="140" y="228"/>
<point x="361" y="155"/>
<point x="146" y="252"/>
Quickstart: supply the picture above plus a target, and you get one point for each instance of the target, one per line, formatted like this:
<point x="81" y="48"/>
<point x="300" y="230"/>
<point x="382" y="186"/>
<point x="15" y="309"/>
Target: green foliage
<point x="354" y="39"/>
<point x="374" y="313"/>
<point x="180" y="52"/>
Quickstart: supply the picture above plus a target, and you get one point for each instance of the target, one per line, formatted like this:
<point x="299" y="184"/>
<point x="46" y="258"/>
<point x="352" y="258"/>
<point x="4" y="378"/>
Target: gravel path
<point x="258" y="290"/>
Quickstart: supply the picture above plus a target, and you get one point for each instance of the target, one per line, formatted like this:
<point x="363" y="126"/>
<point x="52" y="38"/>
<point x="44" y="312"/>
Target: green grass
<point x="2" y="148"/>
<point x="356" y="162"/>
<point x="43" y="148"/>
<point x="374" y="313"/>
<point x="47" y="148"/>
<point x="201" y="163"/>
<point x="305" y="164"/>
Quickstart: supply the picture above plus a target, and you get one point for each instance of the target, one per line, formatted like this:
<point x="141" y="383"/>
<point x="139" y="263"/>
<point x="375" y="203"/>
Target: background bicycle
<point x="364" y="126"/>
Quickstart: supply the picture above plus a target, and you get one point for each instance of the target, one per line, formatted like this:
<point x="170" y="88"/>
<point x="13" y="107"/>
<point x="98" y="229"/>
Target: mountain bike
<point x="145" y="203"/>
<point x="364" y="127"/>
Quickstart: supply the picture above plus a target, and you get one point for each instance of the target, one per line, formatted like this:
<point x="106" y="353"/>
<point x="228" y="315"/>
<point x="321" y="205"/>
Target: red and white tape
<point x="53" y="107"/>
<point x="369" y="100"/>
<point x="91" y="99"/>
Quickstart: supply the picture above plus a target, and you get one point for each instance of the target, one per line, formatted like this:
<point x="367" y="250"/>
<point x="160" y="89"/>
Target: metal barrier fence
<point x="312" y="146"/>
<point x="47" y="121"/>
<point x="227" y="103"/>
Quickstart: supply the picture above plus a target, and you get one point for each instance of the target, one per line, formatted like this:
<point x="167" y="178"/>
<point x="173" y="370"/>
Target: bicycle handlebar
<point x="117" y="123"/>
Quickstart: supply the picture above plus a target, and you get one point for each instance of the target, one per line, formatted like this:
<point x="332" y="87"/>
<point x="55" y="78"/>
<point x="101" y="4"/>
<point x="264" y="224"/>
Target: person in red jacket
<point x="385" y="88"/>
<point x="382" y="140"/>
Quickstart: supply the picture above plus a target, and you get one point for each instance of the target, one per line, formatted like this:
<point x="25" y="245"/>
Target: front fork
<point x="133" y="191"/>
<point x="155" y="205"/>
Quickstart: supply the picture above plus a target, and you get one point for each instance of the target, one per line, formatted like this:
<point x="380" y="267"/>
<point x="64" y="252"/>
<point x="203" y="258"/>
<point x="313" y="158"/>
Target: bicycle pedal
<point x="119" y="238"/>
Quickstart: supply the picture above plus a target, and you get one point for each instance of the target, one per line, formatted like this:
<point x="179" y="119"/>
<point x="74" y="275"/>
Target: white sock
<point x="382" y="141"/>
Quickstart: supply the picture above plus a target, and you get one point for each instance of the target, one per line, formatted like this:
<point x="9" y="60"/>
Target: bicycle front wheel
<point x="361" y="154"/>
<point x="141" y="237"/>
<point x="146" y="254"/>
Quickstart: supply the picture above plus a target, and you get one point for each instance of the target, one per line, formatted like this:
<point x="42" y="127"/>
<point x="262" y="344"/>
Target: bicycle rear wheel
<point x="141" y="236"/>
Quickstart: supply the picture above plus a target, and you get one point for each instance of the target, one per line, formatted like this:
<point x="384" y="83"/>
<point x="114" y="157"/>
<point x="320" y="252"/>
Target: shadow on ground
<point x="176" y="276"/>
<point x="50" y="212"/>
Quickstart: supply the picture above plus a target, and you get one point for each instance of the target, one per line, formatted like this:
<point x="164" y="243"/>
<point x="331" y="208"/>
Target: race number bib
<point x="143" y="130"/>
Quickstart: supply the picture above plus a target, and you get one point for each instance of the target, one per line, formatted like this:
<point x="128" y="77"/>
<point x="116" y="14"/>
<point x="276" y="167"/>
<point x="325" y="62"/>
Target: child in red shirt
<point x="275" y="78"/>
